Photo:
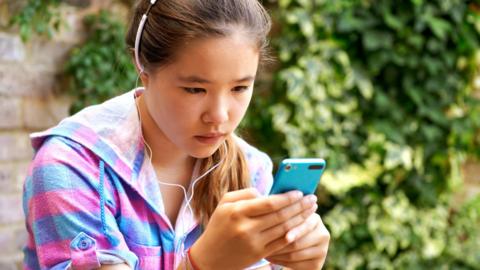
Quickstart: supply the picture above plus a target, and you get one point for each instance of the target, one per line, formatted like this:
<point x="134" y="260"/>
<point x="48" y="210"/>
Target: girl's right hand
<point x="244" y="228"/>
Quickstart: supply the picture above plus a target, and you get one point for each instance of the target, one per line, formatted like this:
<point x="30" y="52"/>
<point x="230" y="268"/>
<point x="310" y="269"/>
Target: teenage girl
<point x="156" y="178"/>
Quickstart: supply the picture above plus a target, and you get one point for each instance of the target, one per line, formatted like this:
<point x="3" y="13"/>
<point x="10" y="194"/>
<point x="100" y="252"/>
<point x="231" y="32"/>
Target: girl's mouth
<point x="211" y="138"/>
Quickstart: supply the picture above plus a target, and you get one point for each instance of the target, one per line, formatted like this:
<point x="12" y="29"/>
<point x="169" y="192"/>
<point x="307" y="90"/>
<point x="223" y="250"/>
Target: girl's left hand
<point x="309" y="250"/>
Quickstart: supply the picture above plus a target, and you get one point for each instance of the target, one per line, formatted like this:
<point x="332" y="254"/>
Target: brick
<point x="12" y="176"/>
<point x="12" y="239"/>
<point x="7" y="178"/>
<point x="44" y="113"/>
<point x="50" y="55"/>
<point x="15" y="146"/>
<point x="12" y="261"/>
<point x="4" y="14"/>
<point x="25" y="81"/>
<point x="11" y="210"/>
<point x="471" y="170"/>
<point x="10" y="110"/>
<point x="21" y="174"/>
<point x="6" y="263"/>
<point x="11" y="48"/>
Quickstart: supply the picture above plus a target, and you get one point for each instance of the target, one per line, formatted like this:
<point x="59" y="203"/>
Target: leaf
<point x="373" y="40"/>
<point x="439" y="26"/>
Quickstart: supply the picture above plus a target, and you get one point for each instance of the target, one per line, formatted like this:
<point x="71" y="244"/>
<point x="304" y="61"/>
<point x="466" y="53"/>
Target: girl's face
<point x="201" y="97"/>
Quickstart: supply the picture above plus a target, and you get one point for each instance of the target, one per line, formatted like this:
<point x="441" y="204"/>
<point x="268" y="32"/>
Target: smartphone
<point x="301" y="174"/>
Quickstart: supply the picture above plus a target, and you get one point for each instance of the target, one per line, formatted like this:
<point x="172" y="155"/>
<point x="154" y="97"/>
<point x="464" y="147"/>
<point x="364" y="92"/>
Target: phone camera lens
<point x="288" y="167"/>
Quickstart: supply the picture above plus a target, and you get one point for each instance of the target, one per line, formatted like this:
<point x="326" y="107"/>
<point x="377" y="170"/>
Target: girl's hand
<point x="309" y="250"/>
<point x="245" y="228"/>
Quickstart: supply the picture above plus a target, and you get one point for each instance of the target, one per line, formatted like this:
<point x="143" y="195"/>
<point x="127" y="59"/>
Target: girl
<point x="156" y="178"/>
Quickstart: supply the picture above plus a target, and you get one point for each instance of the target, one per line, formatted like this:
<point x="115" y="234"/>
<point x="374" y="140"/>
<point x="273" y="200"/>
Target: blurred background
<point x="388" y="92"/>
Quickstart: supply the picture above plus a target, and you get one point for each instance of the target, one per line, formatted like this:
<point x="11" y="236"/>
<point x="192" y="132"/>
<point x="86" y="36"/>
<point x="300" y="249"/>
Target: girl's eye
<point x="240" y="88"/>
<point x="194" y="90"/>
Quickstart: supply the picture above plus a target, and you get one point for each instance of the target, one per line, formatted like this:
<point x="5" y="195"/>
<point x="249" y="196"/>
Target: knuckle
<point x="226" y="197"/>
<point x="290" y="256"/>
<point x="323" y="252"/>
<point x="285" y="227"/>
<point x="296" y="245"/>
<point x="292" y="199"/>
<point x="235" y="212"/>
<point x="281" y="215"/>
<point x="222" y="209"/>
<point x="241" y="232"/>
<point x="270" y="205"/>
<point x="253" y="192"/>
<point x="306" y="214"/>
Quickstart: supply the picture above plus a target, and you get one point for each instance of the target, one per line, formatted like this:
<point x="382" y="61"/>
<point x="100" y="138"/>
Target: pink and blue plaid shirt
<point x="91" y="196"/>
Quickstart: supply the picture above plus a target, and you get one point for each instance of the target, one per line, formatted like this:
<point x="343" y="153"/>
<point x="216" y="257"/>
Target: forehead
<point x="216" y="58"/>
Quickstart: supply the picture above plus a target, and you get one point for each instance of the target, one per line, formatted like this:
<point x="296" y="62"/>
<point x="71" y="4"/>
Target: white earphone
<point x="138" y="37"/>
<point x="141" y="69"/>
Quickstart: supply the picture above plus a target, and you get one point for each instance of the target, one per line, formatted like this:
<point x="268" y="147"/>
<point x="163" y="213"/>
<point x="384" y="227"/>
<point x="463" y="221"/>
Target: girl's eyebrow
<point x="196" y="79"/>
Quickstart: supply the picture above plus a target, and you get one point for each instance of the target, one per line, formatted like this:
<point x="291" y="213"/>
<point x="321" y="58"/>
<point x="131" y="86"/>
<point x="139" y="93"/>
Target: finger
<point x="278" y="231"/>
<point x="238" y="195"/>
<point x="272" y="203"/>
<point x="318" y="236"/>
<point x="278" y="217"/>
<point x="309" y="225"/>
<point x="281" y="243"/>
<point x="310" y="253"/>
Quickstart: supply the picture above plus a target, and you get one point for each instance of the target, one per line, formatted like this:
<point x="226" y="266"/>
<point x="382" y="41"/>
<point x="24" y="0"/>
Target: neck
<point x="166" y="156"/>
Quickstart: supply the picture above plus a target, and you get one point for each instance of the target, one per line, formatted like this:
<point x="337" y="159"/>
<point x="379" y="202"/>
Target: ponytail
<point x="232" y="174"/>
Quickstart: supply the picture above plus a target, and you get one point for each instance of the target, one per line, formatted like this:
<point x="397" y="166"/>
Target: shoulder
<point x="259" y="164"/>
<point x="60" y="165"/>
<point x="63" y="152"/>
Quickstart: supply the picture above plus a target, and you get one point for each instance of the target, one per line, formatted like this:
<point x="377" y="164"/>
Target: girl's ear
<point x="142" y="74"/>
<point x="144" y="77"/>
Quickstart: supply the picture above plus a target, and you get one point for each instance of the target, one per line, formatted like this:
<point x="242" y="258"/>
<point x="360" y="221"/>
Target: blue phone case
<point x="298" y="174"/>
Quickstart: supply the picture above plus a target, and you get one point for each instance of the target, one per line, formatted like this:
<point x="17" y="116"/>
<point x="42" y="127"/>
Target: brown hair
<point x="172" y="23"/>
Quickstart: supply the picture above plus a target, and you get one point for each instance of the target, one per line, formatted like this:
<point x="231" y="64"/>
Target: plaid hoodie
<point x="91" y="196"/>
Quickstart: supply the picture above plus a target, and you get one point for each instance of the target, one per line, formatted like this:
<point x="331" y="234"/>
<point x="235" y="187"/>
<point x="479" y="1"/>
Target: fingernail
<point x="310" y="199"/>
<point x="296" y="194"/>
<point x="291" y="236"/>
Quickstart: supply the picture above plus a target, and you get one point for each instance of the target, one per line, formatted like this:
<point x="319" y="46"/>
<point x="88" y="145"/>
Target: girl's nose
<point x="217" y="112"/>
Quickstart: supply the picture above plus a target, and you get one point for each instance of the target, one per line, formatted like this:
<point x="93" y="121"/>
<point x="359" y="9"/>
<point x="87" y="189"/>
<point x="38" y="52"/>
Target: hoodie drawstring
<point x="111" y="238"/>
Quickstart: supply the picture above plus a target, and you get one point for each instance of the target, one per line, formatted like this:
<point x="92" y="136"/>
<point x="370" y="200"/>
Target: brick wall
<point x="30" y="100"/>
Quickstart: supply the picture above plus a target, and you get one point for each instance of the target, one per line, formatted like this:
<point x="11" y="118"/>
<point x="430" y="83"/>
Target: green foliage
<point x="382" y="90"/>
<point x="464" y="235"/>
<point x="38" y="17"/>
<point x="102" y="67"/>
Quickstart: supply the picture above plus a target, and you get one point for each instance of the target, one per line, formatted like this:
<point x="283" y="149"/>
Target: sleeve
<point x="65" y="223"/>
<point x="263" y="177"/>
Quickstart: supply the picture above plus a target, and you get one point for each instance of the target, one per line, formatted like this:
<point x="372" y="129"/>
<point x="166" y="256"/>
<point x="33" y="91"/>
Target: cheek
<point x="241" y="106"/>
<point x="170" y="112"/>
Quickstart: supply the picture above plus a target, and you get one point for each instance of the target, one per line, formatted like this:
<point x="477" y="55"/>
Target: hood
<point x="110" y="130"/>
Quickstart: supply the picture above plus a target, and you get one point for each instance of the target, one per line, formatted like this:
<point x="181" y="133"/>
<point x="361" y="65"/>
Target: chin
<point x="204" y="151"/>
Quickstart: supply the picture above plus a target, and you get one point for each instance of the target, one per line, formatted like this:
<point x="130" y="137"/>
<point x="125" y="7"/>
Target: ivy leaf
<point x="439" y="26"/>
<point x="374" y="40"/>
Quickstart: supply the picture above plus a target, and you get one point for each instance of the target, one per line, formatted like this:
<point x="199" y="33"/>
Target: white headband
<point x="138" y="38"/>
